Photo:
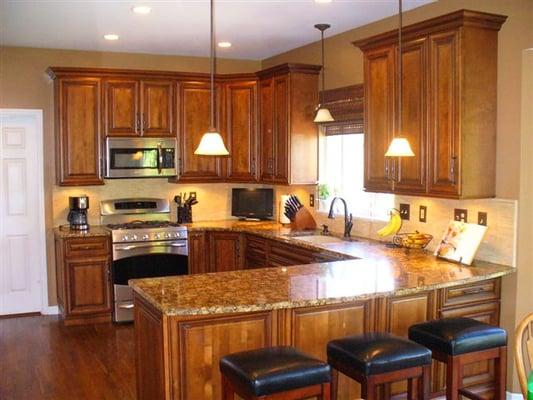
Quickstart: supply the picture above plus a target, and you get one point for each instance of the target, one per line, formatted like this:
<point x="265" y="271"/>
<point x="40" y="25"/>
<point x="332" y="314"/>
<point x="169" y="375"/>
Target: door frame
<point x="37" y="116"/>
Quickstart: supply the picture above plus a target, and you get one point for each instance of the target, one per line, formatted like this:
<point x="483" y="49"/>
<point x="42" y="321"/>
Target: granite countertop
<point x="374" y="271"/>
<point x="64" y="232"/>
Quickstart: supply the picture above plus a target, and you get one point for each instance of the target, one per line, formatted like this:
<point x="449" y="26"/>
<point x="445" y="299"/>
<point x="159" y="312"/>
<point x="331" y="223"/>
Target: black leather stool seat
<point x="274" y="369"/>
<point x="377" y="353"/>
<point x="456" y="336"/>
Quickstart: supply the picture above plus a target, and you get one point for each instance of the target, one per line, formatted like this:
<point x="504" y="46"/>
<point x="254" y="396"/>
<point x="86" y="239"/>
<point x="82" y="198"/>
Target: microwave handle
<point x="159" y="158"/>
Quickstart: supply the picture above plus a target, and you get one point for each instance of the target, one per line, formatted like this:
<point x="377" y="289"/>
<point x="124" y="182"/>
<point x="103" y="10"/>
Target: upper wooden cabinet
<point x="448" y="106"/>
<point x="136" y="107"/>
<point x="288" y="136"/>
<point x="78" y="136"/>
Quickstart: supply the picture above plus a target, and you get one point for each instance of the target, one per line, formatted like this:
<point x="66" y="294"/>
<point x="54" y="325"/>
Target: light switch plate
<point x="422" y="213"/>
<point x="405" y="211"/>
<point x="482" y="218"/>
<point x="460" y="214"/>
<point x="311" y="200"/>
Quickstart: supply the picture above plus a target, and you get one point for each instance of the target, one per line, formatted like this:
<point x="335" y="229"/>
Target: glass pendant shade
<point x="323" y="115"/>
<point x="211" y="144"/>
<point x="399" y="147"/>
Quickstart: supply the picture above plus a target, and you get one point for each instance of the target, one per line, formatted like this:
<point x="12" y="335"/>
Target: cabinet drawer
<point x="87" y="247"/>
<point x="291" y="254"/>
<point x="473" y="293"/>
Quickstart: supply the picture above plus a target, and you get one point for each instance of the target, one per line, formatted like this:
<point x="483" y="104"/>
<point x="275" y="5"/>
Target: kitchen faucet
<point x="348" y="222"/>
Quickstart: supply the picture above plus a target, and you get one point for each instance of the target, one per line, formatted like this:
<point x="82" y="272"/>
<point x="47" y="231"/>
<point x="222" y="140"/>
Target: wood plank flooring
<point x="41" y="359"/>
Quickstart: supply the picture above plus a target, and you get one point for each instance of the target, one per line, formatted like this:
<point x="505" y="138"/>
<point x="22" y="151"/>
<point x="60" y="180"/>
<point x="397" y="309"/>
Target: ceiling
<point x="257" y="28"/>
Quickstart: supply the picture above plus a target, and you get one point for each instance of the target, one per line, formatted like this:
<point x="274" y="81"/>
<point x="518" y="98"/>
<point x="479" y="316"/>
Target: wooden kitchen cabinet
<point x="198" y="259"/>
<point x="288" y="96"/>
<point x="78" y="131"/>
<point x="449" y="106"/>
<point x="225" y="251"/>
<point x="195" y="100"/>
<point x="240" y="131"/>
<point x="139" y="107"/>
<point x="84" y="279"/>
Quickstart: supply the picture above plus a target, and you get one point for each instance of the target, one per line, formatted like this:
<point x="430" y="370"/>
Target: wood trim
<point x="449" y="21"/>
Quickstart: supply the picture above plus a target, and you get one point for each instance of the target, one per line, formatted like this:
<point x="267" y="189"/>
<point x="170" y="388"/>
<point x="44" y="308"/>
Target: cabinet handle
<point x="145" y="123"/>
<point x="252" y="166"/>
<point x="180" y="165"/>
<point x="138" y="123"/>
<point x="393" y="169"/>
<point x="387" y="168"/>
<point x="473" y="290"/>
<point x="452" y="169"/>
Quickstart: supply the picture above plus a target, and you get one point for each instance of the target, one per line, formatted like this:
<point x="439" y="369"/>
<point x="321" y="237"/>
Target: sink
<point x="321" y="239"/>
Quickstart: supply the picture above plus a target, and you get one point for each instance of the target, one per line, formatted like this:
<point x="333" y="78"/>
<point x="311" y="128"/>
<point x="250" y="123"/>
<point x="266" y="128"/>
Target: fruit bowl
<point x="413" y="240"/>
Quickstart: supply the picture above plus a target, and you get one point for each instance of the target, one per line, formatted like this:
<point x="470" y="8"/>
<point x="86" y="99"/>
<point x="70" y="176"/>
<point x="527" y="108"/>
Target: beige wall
<point x="24" y="84"/>
<point x="344" y="66"/>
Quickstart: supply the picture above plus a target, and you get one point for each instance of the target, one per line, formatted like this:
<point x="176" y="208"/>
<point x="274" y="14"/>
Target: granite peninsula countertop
<point x="64" y="232"/>
<point x="374" y="271"/>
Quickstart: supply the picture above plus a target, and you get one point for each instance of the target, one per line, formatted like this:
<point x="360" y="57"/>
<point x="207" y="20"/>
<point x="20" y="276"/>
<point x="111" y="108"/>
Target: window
<point x="342" y="170"/>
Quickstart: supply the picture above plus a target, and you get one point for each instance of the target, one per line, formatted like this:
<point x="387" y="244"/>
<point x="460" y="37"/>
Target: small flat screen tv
<point x="252" y="203"/>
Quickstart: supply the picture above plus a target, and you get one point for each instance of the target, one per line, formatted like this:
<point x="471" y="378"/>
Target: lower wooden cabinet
<point x="225" y="251"/>
<point x="198" y="257"/>
<point x="84" y="279"/>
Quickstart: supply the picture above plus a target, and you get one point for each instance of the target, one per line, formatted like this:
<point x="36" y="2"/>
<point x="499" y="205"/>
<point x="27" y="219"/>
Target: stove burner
<point x="138" y="224"/>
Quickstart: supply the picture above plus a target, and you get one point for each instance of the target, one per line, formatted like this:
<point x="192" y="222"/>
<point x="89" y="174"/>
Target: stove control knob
<point x="125" y="238"/>
<point x="168" y="235"/>
<point x="157" y="236"/>
<point x="176" y="234"/>
<point x="146" y="237"/>
<point x="134" y="237"/>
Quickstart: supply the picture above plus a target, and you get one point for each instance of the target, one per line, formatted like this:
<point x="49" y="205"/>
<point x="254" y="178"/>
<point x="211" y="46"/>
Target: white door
<point x="22" y="233"/>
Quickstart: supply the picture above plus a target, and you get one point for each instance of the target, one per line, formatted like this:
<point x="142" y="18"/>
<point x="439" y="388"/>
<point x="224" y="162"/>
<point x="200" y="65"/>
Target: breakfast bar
<point x="185" y="324"/>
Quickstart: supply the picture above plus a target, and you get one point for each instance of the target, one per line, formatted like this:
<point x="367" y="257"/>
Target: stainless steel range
<point x="145" y="245"/>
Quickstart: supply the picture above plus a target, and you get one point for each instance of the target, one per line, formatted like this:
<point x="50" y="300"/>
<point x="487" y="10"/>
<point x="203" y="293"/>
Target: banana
<point x="393" y="226"/>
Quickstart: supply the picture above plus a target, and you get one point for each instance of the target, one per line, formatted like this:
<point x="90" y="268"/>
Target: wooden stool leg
<point x="500" y="374"/>
<point x="334" y="383"/>
<point x="424" y="383"/>
<point x="368" y="389"/>
<point x="411" y="388"/>
<point x="453" y="377"/>
<point x="227" y="391"/>
<point x="326" y="392"/>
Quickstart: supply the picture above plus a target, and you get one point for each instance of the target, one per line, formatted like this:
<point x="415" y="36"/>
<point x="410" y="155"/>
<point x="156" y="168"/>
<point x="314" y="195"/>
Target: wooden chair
<point x="523" y="351"/>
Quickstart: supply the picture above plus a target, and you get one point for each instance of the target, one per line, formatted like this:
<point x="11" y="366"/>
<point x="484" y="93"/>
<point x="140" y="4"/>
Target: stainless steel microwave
<point x="140" y="157"/>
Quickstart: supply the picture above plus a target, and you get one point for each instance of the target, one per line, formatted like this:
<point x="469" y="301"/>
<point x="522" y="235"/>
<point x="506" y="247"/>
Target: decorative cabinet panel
<point x="84" y="279"/>
<point x="78" y="136"/>
<point x="139" y="107"/>
<point x="241" y="131"/>
<point x="195" y="98"/>
<point x="225" y="251"/>
<point x="449" y="106"/>
<point x="198" y="259"/>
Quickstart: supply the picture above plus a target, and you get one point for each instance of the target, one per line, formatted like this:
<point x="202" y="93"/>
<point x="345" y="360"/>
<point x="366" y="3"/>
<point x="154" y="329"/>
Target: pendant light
<point x="399" y="146"/>
<point x="212" y="143"/>
<point x="322" y="113"/>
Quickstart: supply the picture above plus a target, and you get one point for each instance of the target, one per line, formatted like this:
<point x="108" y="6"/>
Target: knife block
<point x="303" y="221"/>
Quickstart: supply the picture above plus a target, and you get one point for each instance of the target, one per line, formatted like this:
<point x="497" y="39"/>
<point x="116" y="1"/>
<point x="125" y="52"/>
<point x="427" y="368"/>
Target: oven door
<point x="140" y="157"/>
<point x="143" y="260"/>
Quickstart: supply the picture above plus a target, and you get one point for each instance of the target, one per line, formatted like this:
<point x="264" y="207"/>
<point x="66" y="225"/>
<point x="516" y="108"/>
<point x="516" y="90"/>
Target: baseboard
<point x="50" y="310"/>
<point x="514" y="396"/>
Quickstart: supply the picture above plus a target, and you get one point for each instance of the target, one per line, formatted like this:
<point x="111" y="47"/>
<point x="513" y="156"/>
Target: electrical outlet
<point x="422" y="213"/>
<point x="192" y="195"/>
<point x="405" y="211"/>
<point x="460" y="214"/>
<point x="482" y="218"/>
<point x="311" y="200"/>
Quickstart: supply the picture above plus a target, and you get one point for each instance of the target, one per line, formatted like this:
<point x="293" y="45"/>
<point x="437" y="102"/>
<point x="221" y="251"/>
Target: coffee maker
<point x="77" y="215"/>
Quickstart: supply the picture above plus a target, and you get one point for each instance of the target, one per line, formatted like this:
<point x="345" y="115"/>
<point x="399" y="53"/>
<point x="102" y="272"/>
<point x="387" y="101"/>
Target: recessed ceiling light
<point x="224" y="45"/>
<point x="142" y="10"/>
<point x="323" y="1"/>
<point x="111" y="36"/>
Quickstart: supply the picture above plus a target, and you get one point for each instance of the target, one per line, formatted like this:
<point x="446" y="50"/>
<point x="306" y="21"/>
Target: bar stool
<point x="373" y="359"/>
<point x="460" y="341"/>
<point x="274" y="373"/>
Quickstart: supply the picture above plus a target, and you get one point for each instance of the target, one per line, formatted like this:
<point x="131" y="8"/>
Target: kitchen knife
<point x="298" y="202"/>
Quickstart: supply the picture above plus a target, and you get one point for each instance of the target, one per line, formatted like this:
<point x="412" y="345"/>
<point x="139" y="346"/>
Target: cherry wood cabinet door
<point x="281" y="129"/>
<point x="379" y="117"/>
<point x="241" y="131"/>
<point x="225" y="251"/>
<point x="158" y="108"/>
<point x="88" y="286"/>
<point x="335" y="321"/>
<point x="411" y="172"/>
<point x="78" y="140"/>
<point x="194" y="121"/>
<point x="122" y="108"/>
<point x="198" y="259"/>
<point x="444" y="114"/>
<point x="266" y="142"/>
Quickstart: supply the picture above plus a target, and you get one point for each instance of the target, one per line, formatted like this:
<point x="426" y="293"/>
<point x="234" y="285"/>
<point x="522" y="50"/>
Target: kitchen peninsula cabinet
<point x="198" y="259"/>
<point x="449" y="106"/>
<point x="83" y="277"/>
<point x="288" y="96"/>
<point x="225" y="251"/>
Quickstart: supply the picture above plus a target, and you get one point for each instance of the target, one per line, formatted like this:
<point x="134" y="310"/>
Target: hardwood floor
<point x="41" y="359"/>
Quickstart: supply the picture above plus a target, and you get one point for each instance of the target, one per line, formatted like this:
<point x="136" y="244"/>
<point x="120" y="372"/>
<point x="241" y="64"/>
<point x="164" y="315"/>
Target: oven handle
<point x="126" y="306"/>
<point x="158" y="244"/>
<point x="159" y="158"/>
